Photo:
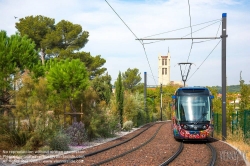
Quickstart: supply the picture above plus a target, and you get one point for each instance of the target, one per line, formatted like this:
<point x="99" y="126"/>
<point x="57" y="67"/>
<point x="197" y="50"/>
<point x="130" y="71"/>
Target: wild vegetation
<point x="238" y="133"/>
<point x="230" y="88"/>
<point x="53" y="95"/>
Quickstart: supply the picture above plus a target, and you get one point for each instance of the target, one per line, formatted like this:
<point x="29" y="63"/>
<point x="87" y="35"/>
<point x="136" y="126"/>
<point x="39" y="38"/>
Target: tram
<point x="192" y="113"/>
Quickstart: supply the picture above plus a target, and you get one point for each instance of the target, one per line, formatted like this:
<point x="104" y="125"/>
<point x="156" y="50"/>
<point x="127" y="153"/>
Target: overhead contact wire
<point x="210" y="52"/>
<point x="135" y="37"/>
<point x="218" y="28"/>
<point x="193" y="33"/>
<point x="201" y="29"/>
<point x="204" y="60"/>
<point x="190" y="19"/>
<point x="123" y="21"/>
<point x="181" y="28"/>
<point x="209" y="39"/>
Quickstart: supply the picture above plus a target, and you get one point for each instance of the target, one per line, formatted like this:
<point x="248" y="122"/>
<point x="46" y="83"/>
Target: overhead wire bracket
<point x="184" y="77"/>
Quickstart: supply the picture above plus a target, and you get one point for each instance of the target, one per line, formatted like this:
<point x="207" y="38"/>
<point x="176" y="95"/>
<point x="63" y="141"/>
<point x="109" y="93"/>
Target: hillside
<point x="231" y="88"/>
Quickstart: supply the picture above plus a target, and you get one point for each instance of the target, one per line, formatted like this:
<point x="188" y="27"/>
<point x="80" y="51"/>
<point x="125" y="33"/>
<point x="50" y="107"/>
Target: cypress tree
<point x="119" y="92"/>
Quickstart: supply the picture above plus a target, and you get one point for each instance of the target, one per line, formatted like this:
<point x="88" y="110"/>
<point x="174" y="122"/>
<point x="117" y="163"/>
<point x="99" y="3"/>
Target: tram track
<point x="129" y="151"/>
<point x="214" y="155"/>
<point x="194" y="146"/>
<point x="99" y="149"/>
<point x="170" y="159"/>
<point x="155" y="152"/>
<point x="122" y="151"/>
<point x="173" y="156"/>
<point x="64" y="159"/>
<point x="156" y="146"/>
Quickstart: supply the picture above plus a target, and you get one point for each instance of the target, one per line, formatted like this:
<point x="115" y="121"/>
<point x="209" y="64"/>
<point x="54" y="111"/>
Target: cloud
<point x="110" y="38"/>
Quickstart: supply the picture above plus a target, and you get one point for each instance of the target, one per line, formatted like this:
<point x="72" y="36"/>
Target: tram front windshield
<point x="193" y="108"/>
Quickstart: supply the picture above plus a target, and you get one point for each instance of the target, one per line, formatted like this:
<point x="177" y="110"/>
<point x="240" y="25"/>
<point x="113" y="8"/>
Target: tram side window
<point x="177" y="114"/>
<point x="210" y="108"/>
<point x="182" y="113"/>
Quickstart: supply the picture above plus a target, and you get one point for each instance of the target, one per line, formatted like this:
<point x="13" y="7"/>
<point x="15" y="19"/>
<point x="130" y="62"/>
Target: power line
<point x="181" y="28"/>
<point x="204" y="41"/>
<point x="190" y="26"/>
<point x="192" y="32"/>
<point x="204" y="60"/>
<point x="218" y="28"/>
<point x="135" y="37"/>
<point x="197" y="31"/>
<point x="153" y="42"/>
<point x="209" y="39"/>
<point x="190" y="21"/>
<point x="148" y="62"/>
<point x="178" y="38"/>
<point x="203" y="28"/>
<point x="123" y="21"/>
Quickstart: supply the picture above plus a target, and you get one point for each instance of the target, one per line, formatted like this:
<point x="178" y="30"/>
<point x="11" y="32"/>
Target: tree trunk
<point x="73" y="109"/>
<point x="42" y="56"/>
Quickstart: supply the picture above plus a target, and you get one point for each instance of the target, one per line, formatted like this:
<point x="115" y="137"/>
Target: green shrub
<point x="44" y="148"/>
<point x="118" y="127"/>
<point x="60" y="142"/>
<point x="35" y="141"/>
<point x="141" y="118"/>
<point x="4" y="143"/>
<point x="128" y="125"/>
<point x="100" y="125"/>
<point x="17" y="138"/>
<point x="113" y="125"/>
<point x="109" y="127"/>
<point x="154" y="117"/>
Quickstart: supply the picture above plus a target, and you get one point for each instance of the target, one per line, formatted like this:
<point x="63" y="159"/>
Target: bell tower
<point x="164" y="69"/>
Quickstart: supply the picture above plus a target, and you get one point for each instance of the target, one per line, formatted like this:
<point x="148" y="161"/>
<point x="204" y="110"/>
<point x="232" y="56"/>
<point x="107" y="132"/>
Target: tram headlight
<point x="205" y="126"/>
<point x="184" y="126"/>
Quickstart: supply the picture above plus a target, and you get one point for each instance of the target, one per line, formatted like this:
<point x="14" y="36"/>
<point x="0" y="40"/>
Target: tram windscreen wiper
<point x="199" y="120"/>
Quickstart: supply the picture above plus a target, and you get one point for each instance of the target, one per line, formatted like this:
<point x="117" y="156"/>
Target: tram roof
<point x="196" y="90"/>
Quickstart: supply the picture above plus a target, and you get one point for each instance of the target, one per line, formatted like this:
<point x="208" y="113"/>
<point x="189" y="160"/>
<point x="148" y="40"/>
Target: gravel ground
<point x="227" y="155"/>
<point x="123" y="148"/>
<point x="158" y="150"/>
<point x="193" y="153"/>
<point x="74" y="150"/>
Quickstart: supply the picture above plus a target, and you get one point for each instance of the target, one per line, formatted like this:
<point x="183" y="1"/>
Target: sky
<point x="114" y="38"/>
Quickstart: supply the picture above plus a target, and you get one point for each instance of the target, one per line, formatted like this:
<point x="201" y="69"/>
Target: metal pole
<point x="145" y="91"/>
<point x="161" y="101"/>
<point x="223" y="60"/>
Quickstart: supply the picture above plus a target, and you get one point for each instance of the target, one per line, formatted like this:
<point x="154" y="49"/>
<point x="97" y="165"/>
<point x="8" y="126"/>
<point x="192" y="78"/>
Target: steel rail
<point x="212" y="162"/>
<point x="174" y="156"/>
<point x="129" y="151"/>
<point x="98" y="151"/>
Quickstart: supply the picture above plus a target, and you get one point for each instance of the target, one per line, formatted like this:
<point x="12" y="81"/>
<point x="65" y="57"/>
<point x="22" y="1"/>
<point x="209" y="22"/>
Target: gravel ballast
<point x="155" y="152"/>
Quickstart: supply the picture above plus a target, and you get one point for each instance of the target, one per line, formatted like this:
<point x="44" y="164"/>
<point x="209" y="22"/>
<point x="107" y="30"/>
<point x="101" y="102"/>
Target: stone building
<point x="164" y="69"/>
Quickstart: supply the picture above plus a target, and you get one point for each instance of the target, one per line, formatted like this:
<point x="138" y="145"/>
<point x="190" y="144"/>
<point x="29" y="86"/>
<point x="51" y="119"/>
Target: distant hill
<point x="231" y="88"/>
